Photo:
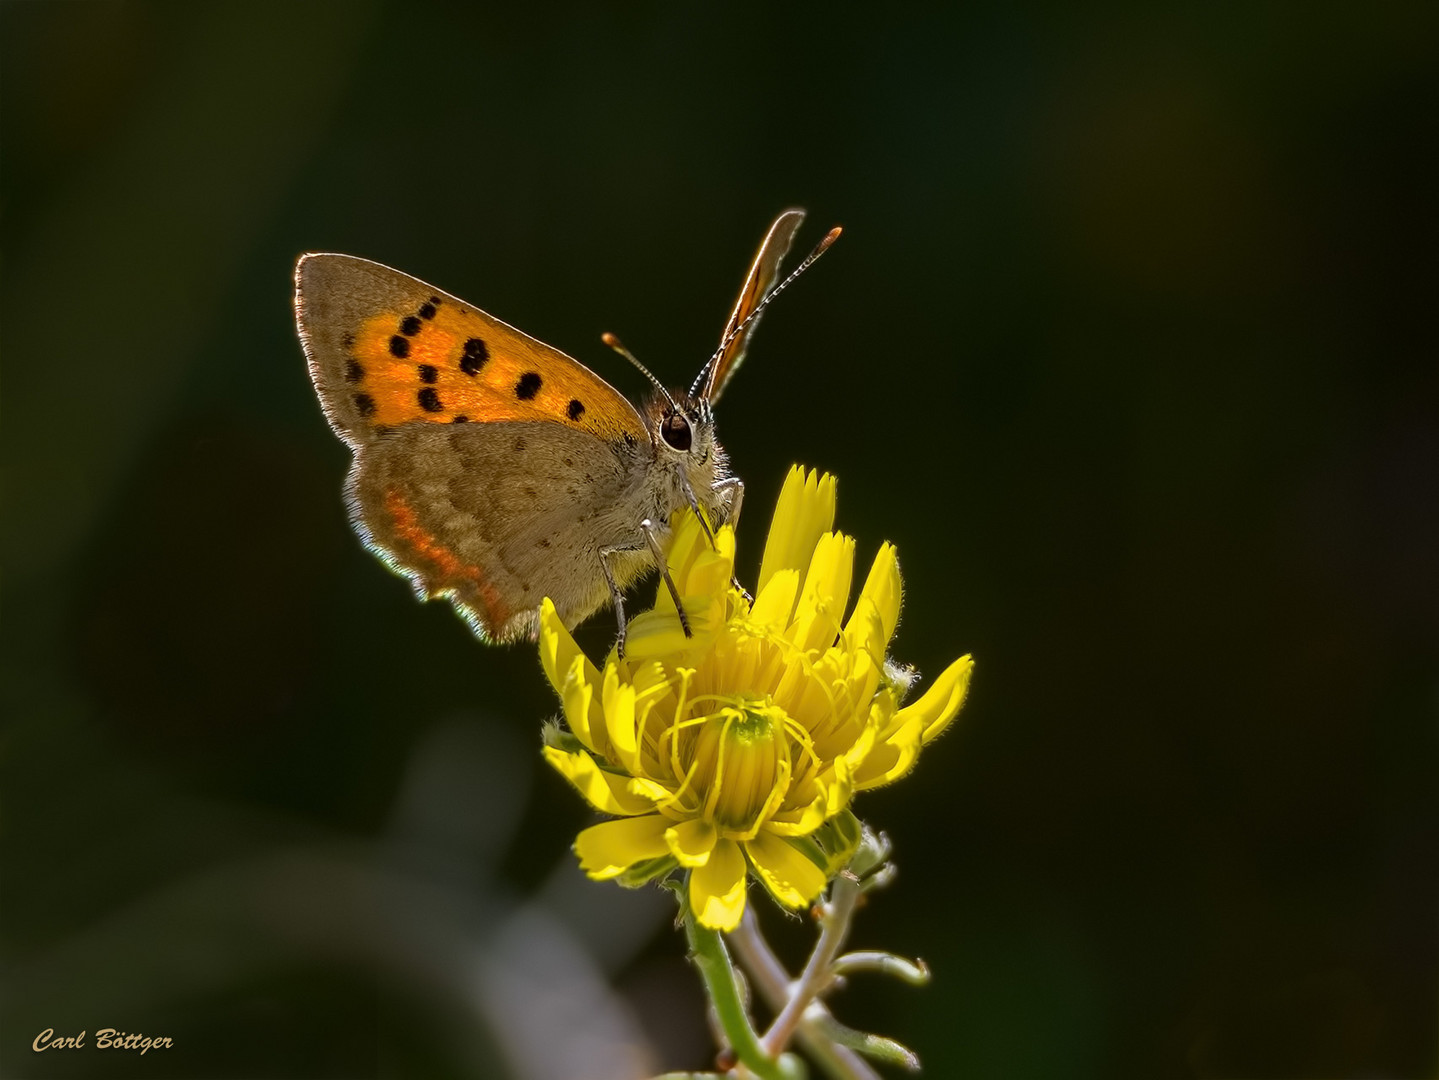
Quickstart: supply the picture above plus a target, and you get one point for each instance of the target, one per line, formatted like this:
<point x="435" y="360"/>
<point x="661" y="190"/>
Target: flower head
<point x="739" y="748"/>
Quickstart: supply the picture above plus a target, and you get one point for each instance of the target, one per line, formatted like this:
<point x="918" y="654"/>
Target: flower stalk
<point x="712" y="959"/>
<point x="818" y="972"/>
<point x="800" y="1012"/>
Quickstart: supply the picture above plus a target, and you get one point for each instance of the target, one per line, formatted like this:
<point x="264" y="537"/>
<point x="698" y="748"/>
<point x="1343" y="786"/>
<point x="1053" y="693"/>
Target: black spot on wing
<point x="410" y="325"/>
<point x="399" y="347"/>
<point x="364" y="404"/>
<point x="353" y="371"/>
<point x="429" y="400"/>
<point x="528" y="386"/>
<point x="428" y="374"/>
<point x="461" y="419"/>
<point x="475" y="355"/>
<point x="576" y="409"/>
<point x="427" y="311"/>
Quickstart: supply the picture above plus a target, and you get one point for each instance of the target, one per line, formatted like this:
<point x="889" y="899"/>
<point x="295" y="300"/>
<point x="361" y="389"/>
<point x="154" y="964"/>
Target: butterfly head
<point x="682" y="427"/>
<point x="681" y="424"/>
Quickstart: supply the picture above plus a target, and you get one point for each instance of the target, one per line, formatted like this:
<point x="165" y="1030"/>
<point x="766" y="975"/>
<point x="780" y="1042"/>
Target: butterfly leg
<point x="615" y="594"/>
<point x="648" y="527"/>
<point x="689" y="493"/>
<point x="652" y="542"/>
<point x="735" y="486"/>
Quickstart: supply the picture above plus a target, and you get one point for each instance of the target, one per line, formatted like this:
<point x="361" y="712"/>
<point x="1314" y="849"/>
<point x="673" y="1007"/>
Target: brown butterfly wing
<point x="385" y="348"/>
<point x="498" y="516"/>
<point x="762" y="275"/>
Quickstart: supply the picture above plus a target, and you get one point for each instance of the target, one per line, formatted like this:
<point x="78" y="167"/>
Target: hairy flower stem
<point x="834" y="928"/>
<point x="713" y="961"/>
<point x="775" y="986"/>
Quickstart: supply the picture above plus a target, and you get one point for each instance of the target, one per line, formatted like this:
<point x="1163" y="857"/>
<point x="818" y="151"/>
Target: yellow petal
<point x="774" y="604"/>
<point x="651" y="789"/>
<point x="864" y="679"/>
<point x="653" y="691"/>
<point x="940" y="703"/>
<point x="804" y="513"/>
<point x="809" y="698"/>
<point x="724" y="546"/>
<point x="692" y="841"/>
<point x="854" y="698"/>
<point x="695" y="564"/>
<point x="717" y="887"/>
<point x="557" y="647"/>
<point x="789" y="875"/>
<point x="838" y="785"/>
<point x="619" y="702"/>
<point x="803" y="821"/>
<point x="611" y="847"/>
<point x="864" y="632"/>
<point x="883" y="589"/>
<point x="693" y="552"/>
<point x="569" y="671"/>
<point x="687" y="542"/>
<point x="778" y="789"/>
<point x="831" y="570"/>
<point x="891" y="758"/>
<point x="655" y="633"/>
<point x="864" y="746"/>
<point x="582" y="711"/>
<point x="659" y="633"/>
<point x="711" y="574"/>
<point x="818" y="615"/>
<point x="650" y="680"/>
<point x="605" y="791"/>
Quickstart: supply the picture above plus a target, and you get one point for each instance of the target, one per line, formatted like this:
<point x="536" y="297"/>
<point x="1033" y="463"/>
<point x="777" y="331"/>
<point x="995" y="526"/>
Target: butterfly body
<point x="491" y="469"/>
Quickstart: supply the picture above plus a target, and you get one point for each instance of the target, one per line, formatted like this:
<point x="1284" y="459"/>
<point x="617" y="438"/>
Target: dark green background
<point x="1129" y="346"/>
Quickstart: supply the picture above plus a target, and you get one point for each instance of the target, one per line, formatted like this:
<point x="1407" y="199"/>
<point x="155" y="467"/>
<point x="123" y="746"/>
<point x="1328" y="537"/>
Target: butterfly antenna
<point x="618" y="346"/>
<point x="809" y="260"/>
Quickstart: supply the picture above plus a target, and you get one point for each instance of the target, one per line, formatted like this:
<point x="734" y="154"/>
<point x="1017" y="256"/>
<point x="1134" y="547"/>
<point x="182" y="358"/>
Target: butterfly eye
<point x="676" y="432"/>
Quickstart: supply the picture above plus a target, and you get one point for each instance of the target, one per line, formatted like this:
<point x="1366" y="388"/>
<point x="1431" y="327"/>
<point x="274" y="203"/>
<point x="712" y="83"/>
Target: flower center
<point x="741" y="763"/>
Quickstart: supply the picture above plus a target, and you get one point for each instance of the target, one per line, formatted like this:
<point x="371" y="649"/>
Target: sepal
<point x="642" y="873"/>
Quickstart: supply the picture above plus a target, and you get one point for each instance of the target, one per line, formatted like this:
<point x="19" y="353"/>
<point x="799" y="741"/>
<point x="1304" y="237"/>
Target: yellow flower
<point x="738" y="749"/>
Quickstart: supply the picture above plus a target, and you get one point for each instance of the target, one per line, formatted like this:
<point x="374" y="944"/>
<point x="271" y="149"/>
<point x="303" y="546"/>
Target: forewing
<point x="762" y="275"/>
<point x="385" y="348"/>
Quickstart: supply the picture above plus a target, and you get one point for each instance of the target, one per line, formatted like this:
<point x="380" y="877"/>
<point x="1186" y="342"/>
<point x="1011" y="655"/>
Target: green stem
<point x="834" y="928"/>
<point x="768" y="974"/>
<point x="914" y="972"/>
<point x="713" y="961"/>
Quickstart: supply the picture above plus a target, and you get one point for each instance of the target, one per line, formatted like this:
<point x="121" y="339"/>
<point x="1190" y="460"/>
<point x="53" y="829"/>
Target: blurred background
<point x="1129" y="346"/>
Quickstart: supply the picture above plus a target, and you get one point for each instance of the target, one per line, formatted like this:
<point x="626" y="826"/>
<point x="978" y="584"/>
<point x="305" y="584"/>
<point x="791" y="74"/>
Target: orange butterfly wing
<point x="386" y="349"/>
<point x="762" y="274"/>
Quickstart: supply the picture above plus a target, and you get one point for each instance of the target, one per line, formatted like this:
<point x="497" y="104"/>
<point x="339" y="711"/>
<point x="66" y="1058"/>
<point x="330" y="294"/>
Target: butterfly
<point x="493" y="470"/>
